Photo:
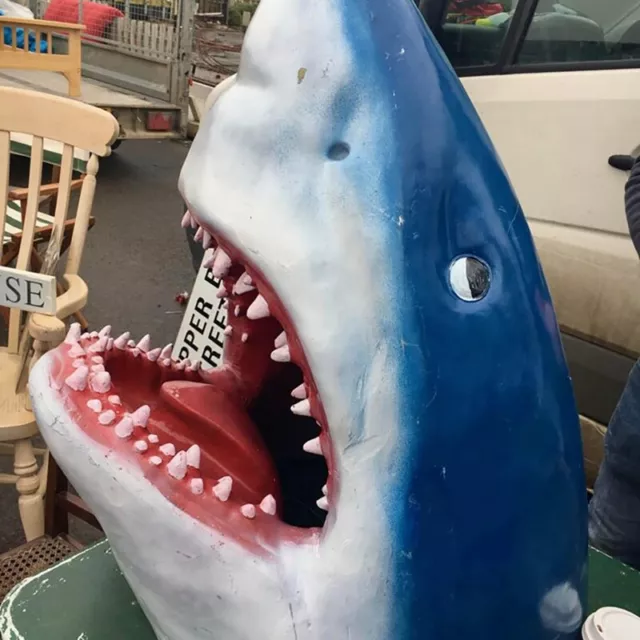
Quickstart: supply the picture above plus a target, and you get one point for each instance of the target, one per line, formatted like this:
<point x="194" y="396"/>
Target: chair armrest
<point x="52" y="328"/>
<point x="22" y="193"/>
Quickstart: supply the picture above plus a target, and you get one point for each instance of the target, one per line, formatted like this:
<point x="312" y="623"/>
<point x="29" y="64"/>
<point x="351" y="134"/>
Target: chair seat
<point x="13" y="225"/>
<point x="16" y="419"/>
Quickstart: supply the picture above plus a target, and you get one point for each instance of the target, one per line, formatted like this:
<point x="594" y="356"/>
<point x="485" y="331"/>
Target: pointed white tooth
<point x="97" y="360"/>
<point x="323" y="503"/>
<point x="222" y="292"/>
<point x="97" y="368"/>
<point x="140" y="446"/>
<point x="186" y="219"/>
<point x="258" y="309"/>
<point x="244" y="337"/>
<point x="228" y="330"/>
<point x="94" y="334"/>
<point x="166" y="362"/>
<point x="100" y="382"/>
<point x="197" y="236"/>
<point x="166" y="351"/>
<point x="99" y="346"/>
<point x="115" y="400"/>
<point x="154" y="354"/>
<point x="209" y="258"/>
<point x="105" y="332"/>
<point x="144" y="344"/>
<point x="206" y="240"/>
<point x="244" y="284"/>
<point x="313" y="446"/>
<point x="237" y="311"/>
<point x="135" y="352"/>
<point x="153" y="438"/>
<point x="193" y="456"/>
<point x="179" y="366"/>
<point x="109" y="344"/>
<point x="197" y="486"/>
<point x="222" y="490"/>
<point x="281" y="355"/>
<point x="156" y="461"/>
<point x="131" y="344"/>
<point x="95" y="405"/>
<point x="193" y="222"/>
<point x="107" y="417"/>
<point x="195" y="366"/>
<point x="76" y="351"/>
<point x="177" y="466"/>
<point x="168" y="449"/>
<point x="74" y="333"/>
<point x="78" y="363"/>
<point x="121" y="341"/>
<point x="268" y="505"/>
<point x="280" y="341"/>
<point x="324" y="490"/>
<point x="300" y="392"/>
<point x="248" y="511"/>
<point x="124" y="428"/>
<point x="221" y="264"/>
<point x="78" y="379"/>
<point x="141" y="415"/>
<point x="302" y="408"/>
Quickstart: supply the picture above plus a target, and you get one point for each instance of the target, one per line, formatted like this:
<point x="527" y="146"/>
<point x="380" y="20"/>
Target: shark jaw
<point x="179" y="476"/>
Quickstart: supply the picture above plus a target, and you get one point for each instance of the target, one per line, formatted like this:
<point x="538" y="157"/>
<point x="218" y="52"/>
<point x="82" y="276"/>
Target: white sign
<point x="27" y="291"/>
<point x="201" y="335"/>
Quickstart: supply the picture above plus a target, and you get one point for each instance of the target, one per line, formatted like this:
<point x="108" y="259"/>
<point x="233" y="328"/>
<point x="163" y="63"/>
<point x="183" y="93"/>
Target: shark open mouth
<point x="204" y="439"/>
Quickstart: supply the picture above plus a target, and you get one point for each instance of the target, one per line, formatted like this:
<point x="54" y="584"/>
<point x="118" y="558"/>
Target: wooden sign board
<point x="201" y="335"/>
<point x="28" y="291"/>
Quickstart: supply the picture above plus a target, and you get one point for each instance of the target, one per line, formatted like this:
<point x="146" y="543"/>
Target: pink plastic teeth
<point x="222" y="490"/>
<point x="78" y="379"/>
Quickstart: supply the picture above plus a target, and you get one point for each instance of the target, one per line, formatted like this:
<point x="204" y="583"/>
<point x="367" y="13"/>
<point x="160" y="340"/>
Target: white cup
<point x="611" y="623"/>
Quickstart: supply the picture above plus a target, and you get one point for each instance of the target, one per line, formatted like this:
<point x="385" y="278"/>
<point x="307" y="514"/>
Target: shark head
<point x="375" y="258"/>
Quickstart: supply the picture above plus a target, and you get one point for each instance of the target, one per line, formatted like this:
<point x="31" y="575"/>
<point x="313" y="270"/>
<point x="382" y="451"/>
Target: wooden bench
<point x="68" y="62"/>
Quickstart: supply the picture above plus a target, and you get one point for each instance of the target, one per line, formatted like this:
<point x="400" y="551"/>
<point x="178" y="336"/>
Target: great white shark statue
<point x="369" y="241"/>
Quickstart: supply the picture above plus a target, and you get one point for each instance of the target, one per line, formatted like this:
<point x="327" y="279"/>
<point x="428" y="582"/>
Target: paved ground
<point x="136" y="261"/>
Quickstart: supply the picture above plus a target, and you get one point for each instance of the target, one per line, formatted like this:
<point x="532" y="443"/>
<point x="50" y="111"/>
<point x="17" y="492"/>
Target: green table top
<point x="86" y="598"/>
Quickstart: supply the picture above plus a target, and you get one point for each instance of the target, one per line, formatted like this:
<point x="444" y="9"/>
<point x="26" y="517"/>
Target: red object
<point x="475" y="10"/>
<point x="96" y="17"/>
<point x="182" y="297"/>
<point x="159" y="120"/>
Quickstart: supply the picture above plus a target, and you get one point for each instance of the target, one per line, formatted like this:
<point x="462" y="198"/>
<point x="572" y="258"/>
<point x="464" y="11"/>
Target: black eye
<point x="469" y="278"/>
<point x="338" y="151"/>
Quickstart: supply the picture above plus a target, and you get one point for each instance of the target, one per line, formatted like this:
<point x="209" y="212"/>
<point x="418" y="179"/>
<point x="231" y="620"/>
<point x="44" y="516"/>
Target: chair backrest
<point x="73" y="125"/>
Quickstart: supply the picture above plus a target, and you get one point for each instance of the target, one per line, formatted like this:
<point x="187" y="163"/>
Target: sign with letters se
<point x="28" y="291"/>
<point x="201" y="335"/>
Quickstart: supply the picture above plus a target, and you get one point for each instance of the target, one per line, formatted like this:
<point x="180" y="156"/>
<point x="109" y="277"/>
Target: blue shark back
<point x="490" y="514"/>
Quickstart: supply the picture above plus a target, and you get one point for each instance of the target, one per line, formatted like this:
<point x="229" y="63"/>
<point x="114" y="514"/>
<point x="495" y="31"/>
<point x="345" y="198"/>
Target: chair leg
<point x="30" y="502"/>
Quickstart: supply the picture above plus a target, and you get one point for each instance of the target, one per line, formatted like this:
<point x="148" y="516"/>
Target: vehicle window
<point x="582" y="31"/>
<point x="473" y="31"/>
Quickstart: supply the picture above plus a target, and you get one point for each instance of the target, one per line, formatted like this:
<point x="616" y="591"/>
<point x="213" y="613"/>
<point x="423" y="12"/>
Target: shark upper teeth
<point x="323" y="503"/>
<point x="153" y="355"/>
<point x="206" y="240"/>
<point x="282" y="354"/>
<point x="222" y="490"/>
<point x="268" y="505"/>
<point x="100" y="382"/>
<point x="156" y="461"/>
<point x="302" y="408"/>
<point x="97" y="360"/>
<point x="105" y="332"/>
<point x="209" y="258"/>
<point x="153" y="438"/>
<point x="313" y="446"/>
<point x="144" y="344"/>
<point x="166" y="351"/>
<point x="244" y="284"/>
<point x="221" y="263"/>
<point x="237" y="310"/>
<point x="97" y="368"/>
<point x="99" y="346"/>
<point x="197" y="236"/>
<point x="228" y="330"/>
<point x="222" y="292"/>
<point x="76" y="351"/>
<point x="124" y="428"/>
<point x="115" y="400"/>
<point x="74" y="333"/>
<point x="258" y="309"/>
<point x="168" y="449"/>
<point x="186" y="219"/>
<point x="196" y="485"/>
<point x="107" y="417"/>
<point x="244" y="337"/>
<point x="95" y="405"/>
<point x="78" y="379"/>
<point x="140" y="446"/>
<point x="131" y="344"/>
<point x="121" y="341"/>
<point x="324" y="490"/>
<point x="248" y="511"/>
<point x="141" y="415"/>
<point x="280" y="341"/>
<point x="300" y="392"/>
<point x="177" y="466"/>
<point x="193" y="456"/>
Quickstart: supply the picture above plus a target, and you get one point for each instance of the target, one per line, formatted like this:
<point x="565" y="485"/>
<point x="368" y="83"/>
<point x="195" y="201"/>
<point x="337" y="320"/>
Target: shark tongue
<point x="230" y="442"/>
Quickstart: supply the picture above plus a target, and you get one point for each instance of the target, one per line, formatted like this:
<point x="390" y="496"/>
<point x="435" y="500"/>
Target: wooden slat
<point x="28" y="230"/>
<point x="64" y="192"/>
<point x="5" y="159"/>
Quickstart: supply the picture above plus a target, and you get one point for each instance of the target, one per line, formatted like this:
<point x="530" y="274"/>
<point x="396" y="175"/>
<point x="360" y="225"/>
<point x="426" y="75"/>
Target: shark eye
<point x="469" y="278"/>
<point x="338" y="151"/>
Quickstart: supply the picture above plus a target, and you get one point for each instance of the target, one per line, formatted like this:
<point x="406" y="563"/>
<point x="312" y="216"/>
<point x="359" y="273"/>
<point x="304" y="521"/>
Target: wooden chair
<point x="73" y="124"/>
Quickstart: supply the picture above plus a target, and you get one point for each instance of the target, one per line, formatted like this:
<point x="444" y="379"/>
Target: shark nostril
<point x="338" y="151"/>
